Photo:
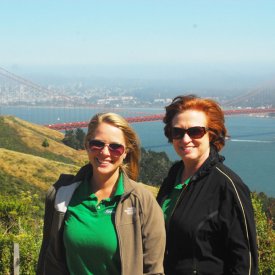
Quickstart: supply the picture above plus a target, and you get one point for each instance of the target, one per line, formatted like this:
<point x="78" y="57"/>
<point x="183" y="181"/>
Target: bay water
<point x="250" y="151"/>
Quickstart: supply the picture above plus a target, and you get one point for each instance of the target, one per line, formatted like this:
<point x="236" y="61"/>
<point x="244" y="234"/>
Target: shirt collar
<point x="120" y="188"/>
<point x="86" y="188"/>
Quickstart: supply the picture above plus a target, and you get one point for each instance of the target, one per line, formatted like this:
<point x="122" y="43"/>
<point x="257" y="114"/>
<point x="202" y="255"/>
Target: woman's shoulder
<point x="137" y="186"/>
<point x="68" y="179"/>
<point x="229" y="179"/>
<point x="65" y="181"/>
<point x="139" y="189"/>
<point x="60" y="187"/>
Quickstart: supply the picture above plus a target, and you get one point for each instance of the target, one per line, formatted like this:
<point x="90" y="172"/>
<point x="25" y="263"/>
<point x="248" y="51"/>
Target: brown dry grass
<point x="34" y="170"/>
<point x="33" y="136"/>
<point x="47" y="132"/>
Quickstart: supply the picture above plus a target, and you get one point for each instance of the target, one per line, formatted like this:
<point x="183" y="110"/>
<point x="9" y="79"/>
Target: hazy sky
<point x="147" y="37"/>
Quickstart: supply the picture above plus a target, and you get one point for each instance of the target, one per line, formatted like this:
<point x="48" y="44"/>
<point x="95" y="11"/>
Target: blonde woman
<point x="101" y="221"/>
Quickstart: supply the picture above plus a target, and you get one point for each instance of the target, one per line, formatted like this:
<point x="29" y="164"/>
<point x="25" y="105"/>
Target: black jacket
<point x="212" y="230"/>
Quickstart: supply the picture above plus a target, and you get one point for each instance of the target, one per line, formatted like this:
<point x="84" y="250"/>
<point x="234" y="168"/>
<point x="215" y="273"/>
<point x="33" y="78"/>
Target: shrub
<point x="20" y="223"/>
<point x="266" y="238"/>
<point x="45" y="143"/>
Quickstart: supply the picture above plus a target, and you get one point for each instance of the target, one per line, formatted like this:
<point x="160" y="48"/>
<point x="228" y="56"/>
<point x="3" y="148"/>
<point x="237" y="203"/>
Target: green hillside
<point x="21" y="136"/>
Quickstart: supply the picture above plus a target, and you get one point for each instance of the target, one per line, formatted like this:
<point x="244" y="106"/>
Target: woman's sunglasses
<point x="115" y="149"/>
<point x="193" y="132"/>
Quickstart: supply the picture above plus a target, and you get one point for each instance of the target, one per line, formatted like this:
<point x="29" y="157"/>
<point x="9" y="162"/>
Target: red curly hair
<point x="212" y="110"/>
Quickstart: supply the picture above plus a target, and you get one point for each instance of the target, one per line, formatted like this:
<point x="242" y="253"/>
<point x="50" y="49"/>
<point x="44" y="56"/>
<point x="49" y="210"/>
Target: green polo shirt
<point x="172" y="198"/>
<point x="90" y="237"/>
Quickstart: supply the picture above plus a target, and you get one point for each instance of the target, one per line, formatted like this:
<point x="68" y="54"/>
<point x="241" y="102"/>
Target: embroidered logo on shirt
<point x="109" y="211"/>
<point x="130" y="210"/>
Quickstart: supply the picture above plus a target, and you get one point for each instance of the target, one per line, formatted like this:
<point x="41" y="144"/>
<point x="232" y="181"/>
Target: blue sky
<point x="149" y="37"/>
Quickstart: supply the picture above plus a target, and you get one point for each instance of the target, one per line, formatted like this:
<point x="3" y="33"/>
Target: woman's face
<point x="106" y="161"/>
<point x="191" y="150"/>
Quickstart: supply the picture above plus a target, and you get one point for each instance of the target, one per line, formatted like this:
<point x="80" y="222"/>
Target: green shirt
<point x="172" y="198"/>
<point x="90" y="237"/>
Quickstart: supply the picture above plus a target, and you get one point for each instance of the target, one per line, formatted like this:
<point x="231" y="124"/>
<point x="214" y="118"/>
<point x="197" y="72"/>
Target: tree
<point x="80" y="136"/>
<point x="45" y="143"/>
<point x="154" y="167"/>
<point x="70" y="139"/>
<point x="74" y="139"/>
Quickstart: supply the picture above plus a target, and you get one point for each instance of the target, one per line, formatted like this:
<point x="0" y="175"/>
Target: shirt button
<point x="98" y="207"/>
<point x="194" y="271"/>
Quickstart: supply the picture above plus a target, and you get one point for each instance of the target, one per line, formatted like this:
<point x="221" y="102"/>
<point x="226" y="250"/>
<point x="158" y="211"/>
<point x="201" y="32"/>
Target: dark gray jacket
<point x="139" y="224"/>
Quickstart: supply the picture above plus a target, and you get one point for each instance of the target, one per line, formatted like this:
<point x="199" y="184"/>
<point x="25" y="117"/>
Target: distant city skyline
<point x="202" y="43"/>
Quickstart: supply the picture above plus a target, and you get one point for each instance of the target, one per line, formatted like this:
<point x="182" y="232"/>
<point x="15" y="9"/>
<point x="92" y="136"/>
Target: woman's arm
<point x="238" y="215"/>
<point x="154" y="237"/>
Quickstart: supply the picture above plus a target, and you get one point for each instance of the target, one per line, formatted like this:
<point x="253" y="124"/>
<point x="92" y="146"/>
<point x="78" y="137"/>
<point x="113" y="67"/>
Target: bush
<point x="20" y="223"/>
<point x="74" y="139"/>
<point x="266" y="238"/>
<point x="29" y="246"/>
<point x="45" y="143"/>
<point x="154" y="167"/>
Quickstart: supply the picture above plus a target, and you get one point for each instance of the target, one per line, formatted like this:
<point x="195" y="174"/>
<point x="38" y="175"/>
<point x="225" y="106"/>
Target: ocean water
<point x="250" y="152"/>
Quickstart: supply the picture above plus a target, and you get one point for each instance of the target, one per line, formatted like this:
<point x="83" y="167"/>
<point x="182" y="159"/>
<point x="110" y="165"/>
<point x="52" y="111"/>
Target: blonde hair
<point x="131" y="162"/>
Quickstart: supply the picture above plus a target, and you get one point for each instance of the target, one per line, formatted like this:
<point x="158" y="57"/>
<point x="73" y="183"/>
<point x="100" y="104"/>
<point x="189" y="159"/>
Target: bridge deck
<point x="84" y="124"/>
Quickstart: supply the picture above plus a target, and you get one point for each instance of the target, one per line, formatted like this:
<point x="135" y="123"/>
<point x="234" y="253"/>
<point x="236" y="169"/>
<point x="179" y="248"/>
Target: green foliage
<point x="268" y="206"/>
<point x="45" y="143"/>
<point x="18" y="213"/>
<point x="29" y="246"/>
<point x="20" y="223"/>
<point x="154" y="167"/>
<point x="266" y="238"/>
<point x="80" y="136"/>
<point x="74" y="139"/>
<point x="6" y="256"/>
<point x="12" y="186"/>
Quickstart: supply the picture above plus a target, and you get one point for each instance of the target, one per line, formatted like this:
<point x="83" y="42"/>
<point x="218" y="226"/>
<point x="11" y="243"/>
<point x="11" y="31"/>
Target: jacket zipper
<point x="177" y="202"/>
<point x="173" y="211"/>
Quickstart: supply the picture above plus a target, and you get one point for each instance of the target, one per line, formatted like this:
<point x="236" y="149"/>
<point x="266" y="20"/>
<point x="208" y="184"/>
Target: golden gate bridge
<point x="156" y="117"/>
<point x="24" y="84"/>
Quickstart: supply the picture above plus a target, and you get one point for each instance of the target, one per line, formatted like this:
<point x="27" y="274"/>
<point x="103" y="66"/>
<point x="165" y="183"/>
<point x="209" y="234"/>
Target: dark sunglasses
<point x="114" y="148"/>
<point x="193" y="132"/>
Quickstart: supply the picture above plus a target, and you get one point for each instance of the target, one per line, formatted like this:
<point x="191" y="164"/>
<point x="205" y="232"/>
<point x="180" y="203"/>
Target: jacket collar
<point x="168" y="183"/>
<point x="212" y="160"/>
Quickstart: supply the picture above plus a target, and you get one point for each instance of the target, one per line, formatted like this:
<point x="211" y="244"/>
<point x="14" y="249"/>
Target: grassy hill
<point x="22" y="136"/>
<point x="25" y="165"/>
<point x="37" y="171"/>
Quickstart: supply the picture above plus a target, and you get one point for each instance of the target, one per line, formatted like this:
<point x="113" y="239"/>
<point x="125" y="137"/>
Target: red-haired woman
<point x="209" y="218"/>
